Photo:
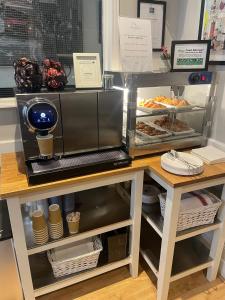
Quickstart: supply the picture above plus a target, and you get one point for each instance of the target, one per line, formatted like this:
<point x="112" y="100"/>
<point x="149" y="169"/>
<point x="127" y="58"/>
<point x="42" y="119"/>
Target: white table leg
<point x="168" y="242"/>
<point x="135" y="213"/>
<point x="217" y="242"/>
<point x="20" y="247"/>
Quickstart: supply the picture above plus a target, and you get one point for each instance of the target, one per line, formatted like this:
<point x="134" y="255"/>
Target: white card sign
<point x="135" y="45"/>
<point x="87" y="70"/>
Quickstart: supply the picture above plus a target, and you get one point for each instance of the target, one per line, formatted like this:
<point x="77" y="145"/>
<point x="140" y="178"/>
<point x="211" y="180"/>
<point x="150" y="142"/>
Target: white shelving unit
<point x="107" y="211"/>
<point x="172" y="255"/>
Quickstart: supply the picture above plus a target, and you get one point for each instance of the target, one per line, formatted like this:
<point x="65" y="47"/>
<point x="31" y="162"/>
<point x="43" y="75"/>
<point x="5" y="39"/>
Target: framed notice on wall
<point x="212" y="27"/>
<point x="156" y="12"/>
<point x="190" y="56"/>
<point x="87" y="70"/>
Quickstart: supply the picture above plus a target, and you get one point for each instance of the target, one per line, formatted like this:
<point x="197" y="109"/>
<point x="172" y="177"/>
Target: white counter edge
<point x="7" y="146"/>
<point x="8" y="102"/>
<point x="216" y="144"/>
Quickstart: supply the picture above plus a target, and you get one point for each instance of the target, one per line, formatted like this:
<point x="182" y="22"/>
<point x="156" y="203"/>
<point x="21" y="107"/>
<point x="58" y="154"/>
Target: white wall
<point x="218" y="132"/>
<point x="128" y="8"/>
<point x="188" y="15"/>
<point x="10" y="139"/>
<point x="90" y="26"/>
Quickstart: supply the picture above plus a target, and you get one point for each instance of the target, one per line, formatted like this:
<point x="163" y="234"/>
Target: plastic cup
<point x="73" y="225"/>
<point x="108" y="81"/>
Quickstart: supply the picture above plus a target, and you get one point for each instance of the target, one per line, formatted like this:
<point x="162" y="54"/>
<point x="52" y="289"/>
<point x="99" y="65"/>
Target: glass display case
<point x="164" y="111"/>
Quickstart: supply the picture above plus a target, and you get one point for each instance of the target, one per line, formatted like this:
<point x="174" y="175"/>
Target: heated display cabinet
<point x="164" y="111"/>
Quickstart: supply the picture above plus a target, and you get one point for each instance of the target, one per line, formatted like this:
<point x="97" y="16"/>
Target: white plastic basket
<point x="194" y="217"/>
<point x="77" y="263"/>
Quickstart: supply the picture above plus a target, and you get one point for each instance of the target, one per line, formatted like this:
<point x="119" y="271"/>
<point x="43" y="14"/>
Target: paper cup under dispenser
<point x="41" y="117"/>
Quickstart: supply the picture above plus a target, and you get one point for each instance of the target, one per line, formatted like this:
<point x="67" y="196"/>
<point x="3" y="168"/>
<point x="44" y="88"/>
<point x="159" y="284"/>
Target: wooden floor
<point x="118" y="285"/>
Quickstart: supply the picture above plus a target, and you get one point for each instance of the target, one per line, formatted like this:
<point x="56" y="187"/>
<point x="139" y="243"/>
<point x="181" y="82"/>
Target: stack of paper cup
<point x="55" y="222"/>
<point x="40" y="229"/>
<point x="73" y="220"/>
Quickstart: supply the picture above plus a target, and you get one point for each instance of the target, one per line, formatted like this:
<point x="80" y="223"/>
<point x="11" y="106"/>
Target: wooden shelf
<point x="78" y="237"/>
<point x="191" y="232"/>
<point x="190" y="255"/>
<point x="153" y="216"/>
<point x="149" y="260"/>
<point x="101" y="211"/>
<point x="44" y="281"/>
<point x="42" y="274"/>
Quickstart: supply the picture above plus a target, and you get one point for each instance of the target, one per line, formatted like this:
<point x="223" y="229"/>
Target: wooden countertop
<point x="13" y="179"/>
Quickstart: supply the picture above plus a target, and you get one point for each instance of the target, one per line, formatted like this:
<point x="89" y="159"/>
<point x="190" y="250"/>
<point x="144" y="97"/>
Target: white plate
<point x="177" y="167"/>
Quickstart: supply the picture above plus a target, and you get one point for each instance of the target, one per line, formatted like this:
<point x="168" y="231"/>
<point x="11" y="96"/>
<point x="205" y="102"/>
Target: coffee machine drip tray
<point x="51" y="170"/>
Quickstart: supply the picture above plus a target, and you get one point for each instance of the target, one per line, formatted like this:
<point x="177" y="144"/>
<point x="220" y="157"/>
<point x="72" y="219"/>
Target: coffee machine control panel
<point x="40" y="115"/>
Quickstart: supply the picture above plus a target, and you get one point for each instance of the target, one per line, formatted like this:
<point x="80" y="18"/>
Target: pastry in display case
<point x="151" y="131"/>
<point x="150" y="103"/>
<point x="164" y="111"/>
<point x="162" y="102"/>
<point x="175" y="126"/>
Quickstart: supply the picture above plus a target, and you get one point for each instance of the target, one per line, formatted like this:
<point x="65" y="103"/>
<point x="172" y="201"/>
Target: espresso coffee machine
<point x="71" y="133"/>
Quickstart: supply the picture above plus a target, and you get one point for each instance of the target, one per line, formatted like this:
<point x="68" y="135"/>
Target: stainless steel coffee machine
<point x="71" y="133"/>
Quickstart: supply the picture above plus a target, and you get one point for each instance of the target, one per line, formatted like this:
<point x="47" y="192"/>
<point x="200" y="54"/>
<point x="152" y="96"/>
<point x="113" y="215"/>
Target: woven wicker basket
<point x="76" y="264"/>
<point x="194" y="217"/>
